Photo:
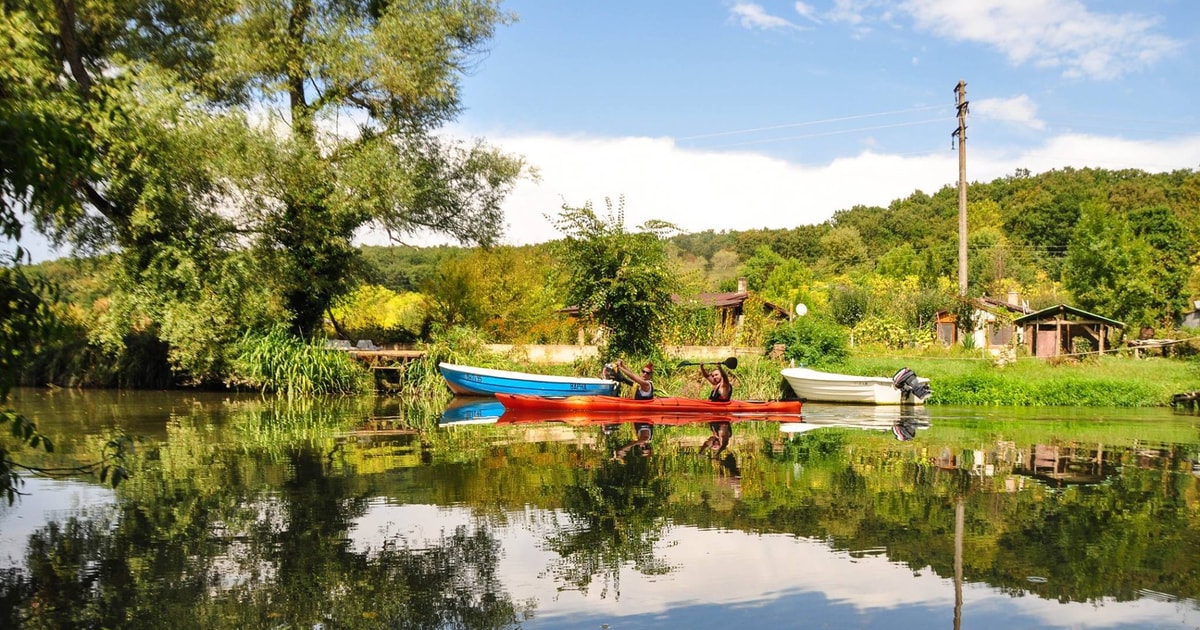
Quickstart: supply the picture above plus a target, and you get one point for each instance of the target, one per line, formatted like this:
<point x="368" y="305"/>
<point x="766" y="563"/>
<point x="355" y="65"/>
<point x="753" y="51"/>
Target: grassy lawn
<point x="1108" y="381"/>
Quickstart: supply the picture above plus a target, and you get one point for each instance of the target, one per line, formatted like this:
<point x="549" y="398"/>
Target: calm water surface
<point x="368" y="513"/>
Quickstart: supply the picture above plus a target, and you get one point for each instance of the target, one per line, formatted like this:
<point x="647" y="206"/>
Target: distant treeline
<point x="1128" y="227"/>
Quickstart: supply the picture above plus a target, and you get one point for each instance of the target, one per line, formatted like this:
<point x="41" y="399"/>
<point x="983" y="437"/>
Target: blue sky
<point x="728" y="115"/>
<point x="724" y="115"/>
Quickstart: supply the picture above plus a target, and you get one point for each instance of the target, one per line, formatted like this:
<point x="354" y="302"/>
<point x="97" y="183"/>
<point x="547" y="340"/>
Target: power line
<point x="828" y="133"/>
<point x="809" y="123"/>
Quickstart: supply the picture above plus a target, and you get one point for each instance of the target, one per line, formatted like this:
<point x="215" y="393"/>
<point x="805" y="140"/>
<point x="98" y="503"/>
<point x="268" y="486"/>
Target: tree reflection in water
<point x="183" y="558"/>
<point x="615" y="516"/>
<point x="253" y="524"/>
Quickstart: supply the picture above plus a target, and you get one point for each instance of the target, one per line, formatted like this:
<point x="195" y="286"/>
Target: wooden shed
<point x="1052" y="331"/>
<point x="993" y="322"/>
<point x="730" y="306"/>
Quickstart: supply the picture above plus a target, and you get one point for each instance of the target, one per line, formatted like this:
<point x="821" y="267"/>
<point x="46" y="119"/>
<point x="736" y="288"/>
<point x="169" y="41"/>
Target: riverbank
<point x="1106" y="381"/>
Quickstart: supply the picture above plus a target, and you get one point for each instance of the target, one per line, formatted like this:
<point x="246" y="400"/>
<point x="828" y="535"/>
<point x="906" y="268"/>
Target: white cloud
<point x="757" y="570"/>
<point x="1050" y="33"/>
<point x="753" y="16"/>
<point x="851" y="12"/>
<point x="1018" y="110"/>
<point x="700" y="190"/>
<point x="1058" y="34"/>
<point x="807" y="11"/>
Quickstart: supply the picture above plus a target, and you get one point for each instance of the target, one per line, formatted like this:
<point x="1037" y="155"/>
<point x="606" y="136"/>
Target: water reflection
<point x="249" y="513"/>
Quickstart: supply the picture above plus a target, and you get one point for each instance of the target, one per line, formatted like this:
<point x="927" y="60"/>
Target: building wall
<point x="564" y="353"/>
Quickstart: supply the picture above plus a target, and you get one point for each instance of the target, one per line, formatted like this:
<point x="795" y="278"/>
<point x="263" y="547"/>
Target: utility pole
<point x="961" y="134"/>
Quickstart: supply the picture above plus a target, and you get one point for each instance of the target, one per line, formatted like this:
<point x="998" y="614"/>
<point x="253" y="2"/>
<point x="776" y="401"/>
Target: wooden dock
<point x="1189" y="401"/>
<point x="388" y="366"/>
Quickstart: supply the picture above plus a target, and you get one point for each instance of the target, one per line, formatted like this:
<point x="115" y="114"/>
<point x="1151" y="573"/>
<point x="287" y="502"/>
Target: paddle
<point x="730" y="363"/>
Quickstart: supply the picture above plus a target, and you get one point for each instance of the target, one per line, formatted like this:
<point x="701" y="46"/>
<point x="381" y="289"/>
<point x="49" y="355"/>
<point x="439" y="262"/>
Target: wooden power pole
<point x="961" y="134"/>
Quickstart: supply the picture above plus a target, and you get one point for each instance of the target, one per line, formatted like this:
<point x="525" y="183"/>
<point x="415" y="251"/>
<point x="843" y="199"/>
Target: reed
<point x="289" y="366"/>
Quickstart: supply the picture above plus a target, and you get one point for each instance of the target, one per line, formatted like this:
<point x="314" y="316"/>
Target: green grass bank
<point x="1108" y="381"/>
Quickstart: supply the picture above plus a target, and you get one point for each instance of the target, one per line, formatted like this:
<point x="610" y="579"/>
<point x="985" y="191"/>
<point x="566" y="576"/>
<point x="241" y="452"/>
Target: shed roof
<point x="1059" y="310"/>
<point x="994" y="304"/>
<point x="728" y="299"/>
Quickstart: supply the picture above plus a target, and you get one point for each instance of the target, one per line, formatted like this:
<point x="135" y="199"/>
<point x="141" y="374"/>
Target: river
<point x="244" y="512"/>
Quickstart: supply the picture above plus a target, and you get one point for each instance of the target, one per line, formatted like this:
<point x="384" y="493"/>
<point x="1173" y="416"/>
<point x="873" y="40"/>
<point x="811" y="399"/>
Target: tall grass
<point x="287" y="365"/>
<point x="1108" y="381"/>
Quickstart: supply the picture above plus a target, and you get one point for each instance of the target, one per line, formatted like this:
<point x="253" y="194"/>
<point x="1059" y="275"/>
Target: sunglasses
<point x="647" y="372"/>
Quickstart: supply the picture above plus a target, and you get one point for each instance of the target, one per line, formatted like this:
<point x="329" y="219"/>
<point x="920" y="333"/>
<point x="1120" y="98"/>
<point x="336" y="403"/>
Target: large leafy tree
<point x="195" y="129"/>
<point x="115" y="152"/>
<point x="363" y="88"/>
<point x="619" y="278"/>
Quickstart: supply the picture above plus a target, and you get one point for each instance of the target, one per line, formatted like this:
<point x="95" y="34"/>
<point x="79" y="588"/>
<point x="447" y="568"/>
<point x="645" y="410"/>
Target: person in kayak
<point x="721" y="430"/>
<point x="722" y="388"/>
<point x="644" y="381"/>
<point x="642" y="432"/>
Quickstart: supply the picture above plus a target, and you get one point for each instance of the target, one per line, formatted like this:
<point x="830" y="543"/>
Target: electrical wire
<point x="809" y="123"/>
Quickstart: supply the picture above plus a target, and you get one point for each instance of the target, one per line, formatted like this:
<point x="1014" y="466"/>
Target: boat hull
<point x="472" y="410"/>
<point x="601" y="418"/>
<point x="465" y="380"/>
<point x="816" y="386"/>
<point x="615" y="405"/>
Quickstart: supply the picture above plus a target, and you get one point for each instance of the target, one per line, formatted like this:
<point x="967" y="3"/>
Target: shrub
<point x="849" y="304"/>
<point x="812" y="341"/>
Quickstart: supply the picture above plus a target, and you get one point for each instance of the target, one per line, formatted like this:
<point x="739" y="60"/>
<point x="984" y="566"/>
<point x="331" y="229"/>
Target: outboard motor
<point x="904" y="430"/>
<point x="906" y="381"/>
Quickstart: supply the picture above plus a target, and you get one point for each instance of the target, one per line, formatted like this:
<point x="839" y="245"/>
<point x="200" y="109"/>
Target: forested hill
<point x="1032" y="217"/>
<point x="1120" y="241"/>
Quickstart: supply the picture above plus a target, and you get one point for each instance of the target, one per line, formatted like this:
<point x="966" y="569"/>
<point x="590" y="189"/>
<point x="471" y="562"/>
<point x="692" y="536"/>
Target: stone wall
<point x="569" y="353"/>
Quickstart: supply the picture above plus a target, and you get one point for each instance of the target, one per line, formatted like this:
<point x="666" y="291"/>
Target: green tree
<point x="1170" y="248"/>
<point x="789" y="283"/>
<point x="394" y="66"/>
<point x="843" y="249"/>
<point x="899" y="262"/>
<point x="129" y="155"/>
<point x="759" y="267"/>
<point x="1108" y="267"/>
<point x="519" y="291"/>
<point x="42" y="128"/>
<point x="451" y="296"/>
<point x="621" y="279"/>
<point x="849" y="304"/>
<point x="193" y="160"/>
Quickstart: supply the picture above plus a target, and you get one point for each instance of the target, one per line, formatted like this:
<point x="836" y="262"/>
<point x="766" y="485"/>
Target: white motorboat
<point x="905" y="388"/>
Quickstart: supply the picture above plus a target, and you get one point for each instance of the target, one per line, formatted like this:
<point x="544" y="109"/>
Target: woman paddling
<point x="644" y="381"/>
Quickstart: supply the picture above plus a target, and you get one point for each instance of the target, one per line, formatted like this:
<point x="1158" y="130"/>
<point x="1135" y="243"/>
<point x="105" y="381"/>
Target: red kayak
<point x="668" y="405"/>
<point x="600" y="418"/>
